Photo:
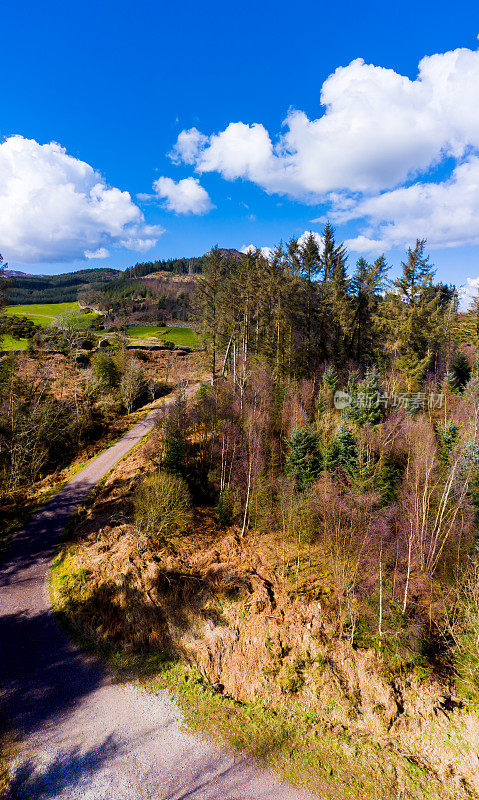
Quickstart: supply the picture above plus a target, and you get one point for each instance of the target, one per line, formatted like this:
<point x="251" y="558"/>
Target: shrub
<point x="162" y="507"/>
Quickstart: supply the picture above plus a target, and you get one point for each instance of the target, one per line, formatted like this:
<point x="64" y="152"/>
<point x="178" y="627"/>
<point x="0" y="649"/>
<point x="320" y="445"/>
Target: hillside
<point x="27" y="289"/>
<point x="110" y="287"/>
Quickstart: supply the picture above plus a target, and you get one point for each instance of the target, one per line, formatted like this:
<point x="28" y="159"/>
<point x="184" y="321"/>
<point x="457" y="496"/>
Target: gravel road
<point x="79" y="733"/>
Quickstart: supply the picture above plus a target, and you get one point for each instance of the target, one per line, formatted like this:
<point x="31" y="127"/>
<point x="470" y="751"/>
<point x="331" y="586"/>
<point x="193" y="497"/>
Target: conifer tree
<point x="366" y="286"/>
<point x="303" y="460"/>
<point x="413" y="315"/>
<point x="334" y="295"/>
<point x="210" y="287"/>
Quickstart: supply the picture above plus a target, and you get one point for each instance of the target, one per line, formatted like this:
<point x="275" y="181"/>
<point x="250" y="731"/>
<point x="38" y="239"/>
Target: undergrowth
<point x="292" y="740"/>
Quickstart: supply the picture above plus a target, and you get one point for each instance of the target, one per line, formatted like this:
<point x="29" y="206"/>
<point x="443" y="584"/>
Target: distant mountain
<point x="15" y="273"/>
<point x="229" y="252"/>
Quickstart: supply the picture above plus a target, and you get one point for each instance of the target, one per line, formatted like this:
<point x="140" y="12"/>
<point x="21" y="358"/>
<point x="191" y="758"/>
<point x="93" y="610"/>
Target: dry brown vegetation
<point x="302" y="608"/>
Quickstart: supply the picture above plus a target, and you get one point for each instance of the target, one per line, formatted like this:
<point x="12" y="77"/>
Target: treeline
<point x="299" y="309"/>
<point x="56" y="288"/>
<point x="177" y="266"/>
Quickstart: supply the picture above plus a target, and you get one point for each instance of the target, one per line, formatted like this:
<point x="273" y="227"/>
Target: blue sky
<point x="115" y="84"/>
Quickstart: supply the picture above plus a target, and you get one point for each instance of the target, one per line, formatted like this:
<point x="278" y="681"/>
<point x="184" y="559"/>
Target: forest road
<point x="78" y="733"/>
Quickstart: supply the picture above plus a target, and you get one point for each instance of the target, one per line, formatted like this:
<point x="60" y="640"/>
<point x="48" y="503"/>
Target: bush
<point x="162" y="507"/>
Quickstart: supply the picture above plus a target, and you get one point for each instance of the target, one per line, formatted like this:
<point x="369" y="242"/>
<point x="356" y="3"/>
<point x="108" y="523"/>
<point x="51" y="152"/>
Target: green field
<point x="9" y="343"/>
<point x="41" y="314"/>
<point x="182" y="337"/>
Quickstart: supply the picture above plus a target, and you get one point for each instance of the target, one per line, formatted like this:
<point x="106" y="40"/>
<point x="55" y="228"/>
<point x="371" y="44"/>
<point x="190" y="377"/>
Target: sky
<point x="148" y="130"/>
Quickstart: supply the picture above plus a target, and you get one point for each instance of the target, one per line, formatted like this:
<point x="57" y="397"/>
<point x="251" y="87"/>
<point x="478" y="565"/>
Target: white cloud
<point x="188" y="146"/>
<point x="101" y="252"/>
<point x="266" y="252"/>
<point x="317" y="237"/>
<point x="378" y="129"/>
<point x="54" y="207"/>
<point x="444" y="213"/>
<point x="371" y="153"/>
<point x="468" y="293"/>
<point x="184" y="197"/>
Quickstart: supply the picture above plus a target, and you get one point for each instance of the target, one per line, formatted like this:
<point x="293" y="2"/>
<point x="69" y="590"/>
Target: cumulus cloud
<point x="444" y="213"/>
<point x="468" y="292"/>
<point x="267" y="252"/>
<point x="183" y="197"/>
<point x="378" y="129"/>
<point x="101" y="252"/>
<point x="188" y="146"/>
<point x="370" y="152"/>
<point x="317" y="237"/>
<point x="54" y="207"/>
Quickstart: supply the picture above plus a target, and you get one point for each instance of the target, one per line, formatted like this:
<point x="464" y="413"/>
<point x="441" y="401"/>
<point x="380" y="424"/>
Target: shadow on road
<point x="216" y="781"/>
<point x="69" y="768"/>
<point x="41" y="676"/>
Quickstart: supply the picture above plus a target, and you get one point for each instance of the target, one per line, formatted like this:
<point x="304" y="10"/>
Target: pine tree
<point x="335" y="295"/>
<point x="208" y="301"/>
<point x="303" y="460"/>
<point x="412" y="315"/>
<point x="345" y="451"/>
<point x="459" y="371"/>
<point x="366" y="286"/>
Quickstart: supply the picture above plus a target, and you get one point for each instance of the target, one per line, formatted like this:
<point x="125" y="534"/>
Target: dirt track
<point x="79" y="734"/>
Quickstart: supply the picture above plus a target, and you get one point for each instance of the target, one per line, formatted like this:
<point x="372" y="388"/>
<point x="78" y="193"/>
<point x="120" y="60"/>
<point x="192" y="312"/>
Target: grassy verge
<point x="290" y="740"/>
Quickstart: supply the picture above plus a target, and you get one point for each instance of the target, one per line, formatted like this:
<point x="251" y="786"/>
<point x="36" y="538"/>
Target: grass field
<point x="183" y="337"/>
<point x="41" y="313"/>
<point x="9" y="343"/>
